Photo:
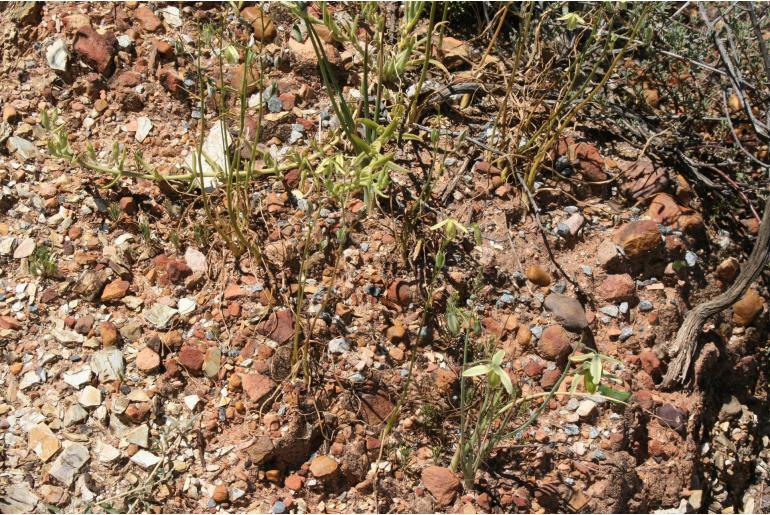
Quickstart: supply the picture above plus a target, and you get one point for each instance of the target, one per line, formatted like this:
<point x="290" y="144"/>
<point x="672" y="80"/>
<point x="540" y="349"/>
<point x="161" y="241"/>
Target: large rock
<point x="442" y="483"/>
<point x="263" y="26"/>
<point x="747" y="308"/>
<point x="617" y="287"/>
<point x="665" y="210"/>
<point x="147" y="19"/>
<point x="642" y="179"/>
<point x="94" y="49"/>
<point x="257" y="386"/>
<point x="567" y="311"/>
<point x="279" y="326"/>
<point x="538" y="275"/>
<point x="638" y="239"/>
<point x="324" y="467"/>
<point x="69" y="463"/>
<point x="554" y="343"/>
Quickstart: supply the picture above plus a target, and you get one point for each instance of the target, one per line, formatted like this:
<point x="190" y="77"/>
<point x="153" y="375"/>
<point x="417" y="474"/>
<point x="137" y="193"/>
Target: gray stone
<point x="567" y="311"/>
<point x="69" y="463"/>
<point x="145" y="459"/>
<point x="339" y="345"/>
<point x="139" y="436"/>
<point x="18" y="498"/>
<point x="108" y="364"/>
<point x="159" y="315"/>
<point x="74" y="415"/>
<point x="645" y="305"/>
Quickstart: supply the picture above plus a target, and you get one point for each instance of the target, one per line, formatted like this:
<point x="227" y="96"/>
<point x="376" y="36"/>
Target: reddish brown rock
<point x="109" y="334"/>
<point x="234" y="291"/>
<point x="128" y="79"/>
<point x="665" y="210"/>
<point x="263" y="26"/>
<point x="239" y="75"/>
<point x="147" y="19"/>
<point x="256" y="386"/>
<point x="221" y="494"/>
<point x="538" y="275"/>
<point x="617" y="287"/>
<point x="294" y="482"/>
<point x="191" y="358"/>
<point x="728" y="270"/>
<point x="177" y="270"/>
<point x="324" y="467"/>
<point x="163" y="47"/>
<point x="638" y="239"/>
<point x="442" y="483"/>
<point x="7" y="322"/>
<point x="650" y="363"/>
<point x="399" y="291"/>
<point x="115" y="290"/>
<point x="747" y="308"/>
<point x="170" y="80"/>
<point x="554" y="344"/>
<point x="279" y="326"/>
<point x="642" y="179"/>
<point x="147" y="361"/>
<point x="94" y="49"/>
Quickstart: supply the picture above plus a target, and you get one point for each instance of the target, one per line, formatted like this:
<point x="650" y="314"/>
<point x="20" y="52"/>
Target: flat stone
<point x="211" y="362"/>
<point x="617" y="287"/>
<point x="25" y="249"/>
<point x="78" y="378"/>
<point x="567" y="311"/>
<point x="139" y="436"/>
<point x="191" y="358"/>
<point x="115" y="290"/>
<point x="90" y="397"/>
<point x="585" y="408"/>
<point x="279" y="326"/>
<point x="147" y="361"/>
<point x="69" y="463"/>
<point x="215" y="149"/>
<point x="145" y="459"/>
<point x="18" y="497"/>
<point x="105" y="452"/>
<point x="74" y="414"/>
<point x="108" y="364"/>
<point x="323" y="467"/>
<point x="257" y="386"/>
<point x="196" y="260"/>
<point x="442" y="483"/>
<point x="159" y="315"/>
<point x="43" y="442"/>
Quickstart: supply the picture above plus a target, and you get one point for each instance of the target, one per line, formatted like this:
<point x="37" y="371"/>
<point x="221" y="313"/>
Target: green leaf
<point x="579" y="358"/>
<point x="596" y="369"/>
<point x="505" y="379"/>
<point x="612" y="393"/>
<point x="452" y="323"/>
<point x="588" y="381"/>
<point x="497" y="359"/>
<point x="478" y="370"/>
<point x="440" y="257"/>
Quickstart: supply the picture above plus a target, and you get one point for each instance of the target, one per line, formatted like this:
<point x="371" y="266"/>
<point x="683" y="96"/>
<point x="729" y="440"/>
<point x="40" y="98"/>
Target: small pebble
<point x="645" y="305"/>
<point x="625" y="334"/>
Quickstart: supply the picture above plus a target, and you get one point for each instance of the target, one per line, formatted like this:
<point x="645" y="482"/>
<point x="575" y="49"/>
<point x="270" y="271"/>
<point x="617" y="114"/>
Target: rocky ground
<point x="151" y="371"/>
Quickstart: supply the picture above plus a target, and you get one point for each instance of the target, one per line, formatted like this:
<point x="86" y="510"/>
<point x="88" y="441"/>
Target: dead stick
<point x="686" y="341"/>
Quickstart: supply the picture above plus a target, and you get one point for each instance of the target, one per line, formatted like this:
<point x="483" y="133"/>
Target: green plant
<point x="42" y="262"/>
<point x="114" y="212"/>
<point x="144" y="231"/>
